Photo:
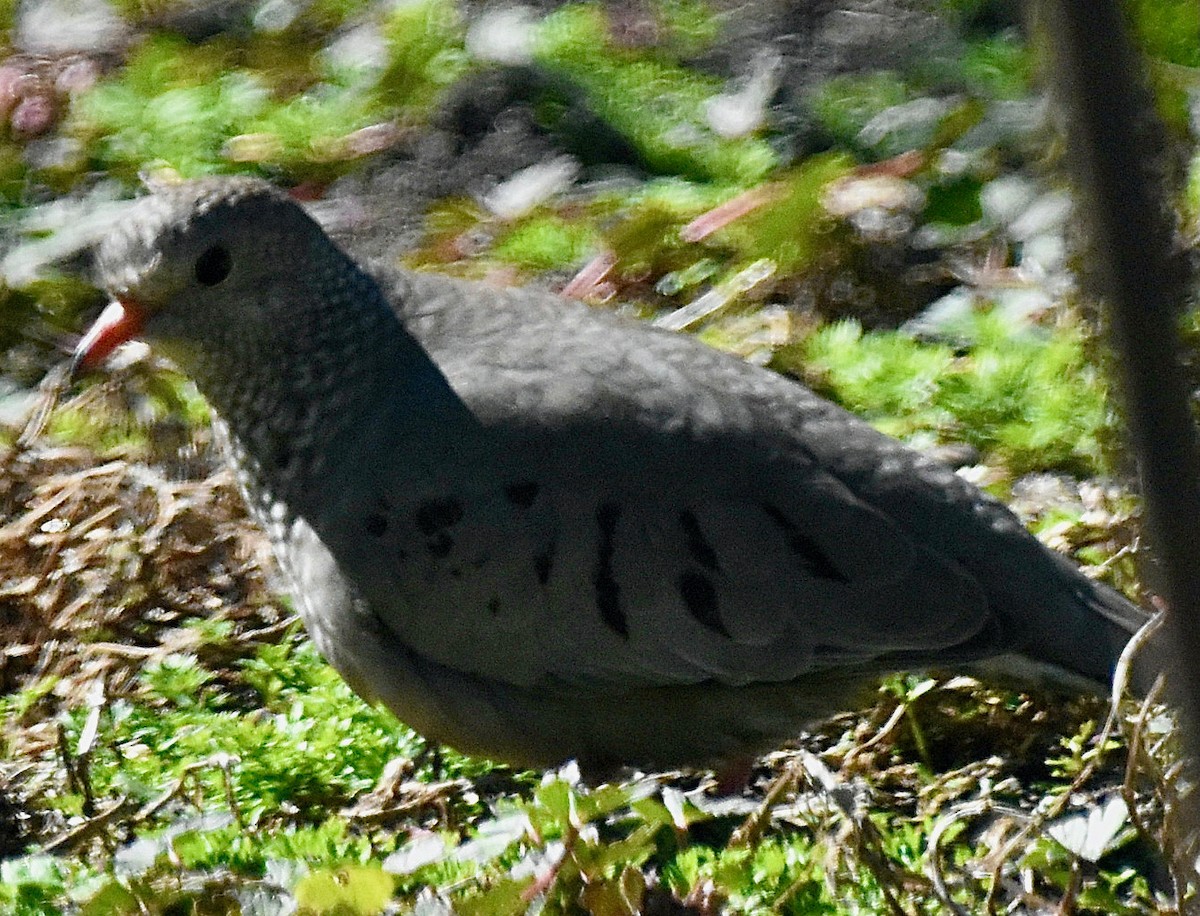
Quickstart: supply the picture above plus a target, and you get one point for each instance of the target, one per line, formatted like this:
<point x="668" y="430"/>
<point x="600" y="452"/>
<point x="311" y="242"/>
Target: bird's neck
<point x="346" y="389"/>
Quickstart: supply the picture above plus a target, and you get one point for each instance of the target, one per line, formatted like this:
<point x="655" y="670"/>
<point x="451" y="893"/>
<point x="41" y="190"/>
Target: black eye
<point x="213" y="266"/>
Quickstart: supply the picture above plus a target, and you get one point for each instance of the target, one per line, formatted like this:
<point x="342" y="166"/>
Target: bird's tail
<point x="1071" y="635"/>
<point x="1091" y="641"/>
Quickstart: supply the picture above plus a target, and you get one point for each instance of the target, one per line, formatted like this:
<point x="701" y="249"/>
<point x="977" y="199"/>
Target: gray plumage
<point x="536" y="531"/>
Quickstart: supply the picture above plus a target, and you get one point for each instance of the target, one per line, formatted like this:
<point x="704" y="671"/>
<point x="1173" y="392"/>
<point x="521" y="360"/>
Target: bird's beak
<point x="120" y="322"/>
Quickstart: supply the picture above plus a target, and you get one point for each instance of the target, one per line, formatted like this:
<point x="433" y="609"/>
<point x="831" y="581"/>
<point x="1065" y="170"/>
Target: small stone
<point x="33" y="115"/>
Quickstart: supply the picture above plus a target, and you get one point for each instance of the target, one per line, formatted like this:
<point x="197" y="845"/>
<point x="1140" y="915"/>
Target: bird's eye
<point x="213" y="265"/>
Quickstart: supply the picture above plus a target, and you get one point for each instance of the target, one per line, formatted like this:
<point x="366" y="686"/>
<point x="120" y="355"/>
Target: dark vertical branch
<point x="1117" y="154"/>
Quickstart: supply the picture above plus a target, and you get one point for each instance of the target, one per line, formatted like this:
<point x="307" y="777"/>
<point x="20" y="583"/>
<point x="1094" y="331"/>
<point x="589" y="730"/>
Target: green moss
<point x="172" y="104"/>
<point x="547" y="242"/>
<point x="329" y="843"/>
<point x="691" y="25"/>
<point x="792" y="230"/>
<point x="106" y="434"/>
<point x="844" y="105"/>
<point x="684" y="198"/>
<point x="8" y="18"/>
<point x="955" y="202"/>
<point x="641" y="228"/>
<point x="109" y="430"/>
<point x="1028" y="399"/>
<point x="1169" y="34"/>
<point x="14" y="179"/>
<point x="655" y="104"/>
<point x="55" y="301"/>
<point x="998" y="67"/>
<point x="425" y="52"/>
<point x="224" y="107"/>
<point x="1168" y="29"/>
<point x="354" y="890"/>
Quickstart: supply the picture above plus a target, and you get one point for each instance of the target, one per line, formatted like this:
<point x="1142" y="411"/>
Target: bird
<point x="539" y="531"/>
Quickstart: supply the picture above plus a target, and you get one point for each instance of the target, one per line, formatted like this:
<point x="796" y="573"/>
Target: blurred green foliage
<point x="650" y="100"/>
<point x="425" y="55"/>
<point x="224" y="106"/>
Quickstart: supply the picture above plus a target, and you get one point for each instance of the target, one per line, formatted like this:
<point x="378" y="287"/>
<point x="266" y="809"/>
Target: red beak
<point x="118" y="323"/>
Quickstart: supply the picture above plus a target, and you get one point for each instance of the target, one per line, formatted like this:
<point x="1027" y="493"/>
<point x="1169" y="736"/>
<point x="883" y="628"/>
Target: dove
<point x="537" y="531"/>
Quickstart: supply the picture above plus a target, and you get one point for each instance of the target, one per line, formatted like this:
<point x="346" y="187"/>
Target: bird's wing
<point x="651" y="514"/>
<point x="537" y="581"/>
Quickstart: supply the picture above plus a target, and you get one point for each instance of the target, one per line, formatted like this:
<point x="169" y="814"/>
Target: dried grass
<point x="103" y="561"/>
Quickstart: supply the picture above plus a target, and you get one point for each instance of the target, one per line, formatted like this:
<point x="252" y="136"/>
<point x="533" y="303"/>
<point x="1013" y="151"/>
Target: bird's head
<point x="191" y="268"/>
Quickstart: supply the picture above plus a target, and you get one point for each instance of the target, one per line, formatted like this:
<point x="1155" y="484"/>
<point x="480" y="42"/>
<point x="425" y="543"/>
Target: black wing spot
<point x="700" y="596"/>
<point x="700" y="550"/>
<point x="542" y="564"/>
<point x="438" y="514"/>
<point x="805" y="547"/>
<point x="522" y="494"/>
<point x="493" y="606"/>
<point x="376" y="524"/>
<point x="608" y="599"/>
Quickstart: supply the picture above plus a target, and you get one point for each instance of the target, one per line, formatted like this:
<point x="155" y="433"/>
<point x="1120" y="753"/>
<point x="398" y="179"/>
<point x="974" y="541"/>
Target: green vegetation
<point x="653" y="102"/>
<point x="844" y="105"/>
<point x="222" y="107"/>
<point x="246" y="777"/>
<point x="1030" y="400"/>
<point x="1168" y="29"/>
<point x="425" y="55"/>
<point x="546" y="242"/>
